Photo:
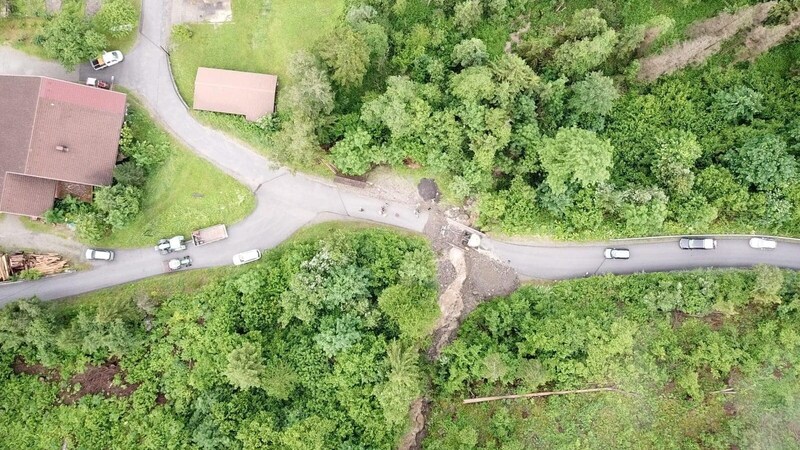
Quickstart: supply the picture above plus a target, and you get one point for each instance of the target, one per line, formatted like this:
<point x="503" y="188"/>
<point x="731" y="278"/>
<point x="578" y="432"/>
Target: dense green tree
<point x="467" y="14"/>
<point x="740" y="104"/>
<point x="592" y="99"/>
<point x="469" y="52"/>
<point x="279" y="379"/>
<point x="674" y="159"/>
<point x="119" y="203"/>
<point x="414" y="309"/>
<point x="117" y="18"/>
<point x="130" y="173"/>
<point x="377" y="41"/>
<point x="245" y="366"/>
<point x="311" y="94"/>
<point x="402" y="386"/>
<point x="575" y="155"/>
<point x="763" y="162"/>
<point x="70" y="38"/>
<point x="768" y="283"/>
<point x="347" y="54"/>
<point x="575" y="58"/>
<point x="354" y="155"/>
<point x="585" y="23"/>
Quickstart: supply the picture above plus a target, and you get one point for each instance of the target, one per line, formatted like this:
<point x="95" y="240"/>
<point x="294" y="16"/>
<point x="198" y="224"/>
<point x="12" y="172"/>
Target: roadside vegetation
<point x="317" y="346"/>
<point x="535" y="112"/>
<point x="320" y="344"/>
<point x="70" y="35"/>
<point x="160" y="189"/>
<point x="707" y="359"/>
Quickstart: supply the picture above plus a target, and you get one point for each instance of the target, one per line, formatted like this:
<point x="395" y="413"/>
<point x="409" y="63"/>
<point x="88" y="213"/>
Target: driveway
<point x="18" y="63"/>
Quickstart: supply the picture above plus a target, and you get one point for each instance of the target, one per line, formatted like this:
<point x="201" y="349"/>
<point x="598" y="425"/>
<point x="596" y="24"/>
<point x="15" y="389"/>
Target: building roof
<point x="54" y="130"/>
<point x="229" y="91"/>
<point x="29" y="196"/>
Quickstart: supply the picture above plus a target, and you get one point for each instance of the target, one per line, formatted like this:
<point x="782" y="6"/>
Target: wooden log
<point x="539" y="394"/>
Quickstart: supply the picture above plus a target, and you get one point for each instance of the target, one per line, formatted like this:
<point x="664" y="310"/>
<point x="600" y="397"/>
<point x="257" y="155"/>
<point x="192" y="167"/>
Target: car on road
<point x="617" y="253"/>
<point x="763" y="243"/>
<point x="698" y="243"/>
<point x="246" y="257"/>
<point x="99" y="255"/>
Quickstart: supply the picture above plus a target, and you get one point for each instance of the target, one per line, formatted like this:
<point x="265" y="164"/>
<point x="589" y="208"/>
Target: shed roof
<point x="229" y="91"/>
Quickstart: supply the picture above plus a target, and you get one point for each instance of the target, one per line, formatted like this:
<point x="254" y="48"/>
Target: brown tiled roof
<point x="38" y="115"/>
<point x="28" y="196"/>
<point x="230" y="91"/>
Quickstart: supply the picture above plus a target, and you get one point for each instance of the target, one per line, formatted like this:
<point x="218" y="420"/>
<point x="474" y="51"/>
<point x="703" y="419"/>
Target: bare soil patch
<point x="92" y="6"/>
<point x="21" y="367"/>
<point x="515" y="37"/>
<point x="762" y="38"/>
<point x="52" y="6"/>
<point x="412" y="440"/>
<point x="98" y="380"/>
<point x="706" y="39"/>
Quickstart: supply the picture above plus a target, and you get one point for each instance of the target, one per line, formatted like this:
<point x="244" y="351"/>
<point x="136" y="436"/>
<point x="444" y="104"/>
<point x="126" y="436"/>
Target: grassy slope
<point x="259" y="39"/>
<point x="187" y="192"/>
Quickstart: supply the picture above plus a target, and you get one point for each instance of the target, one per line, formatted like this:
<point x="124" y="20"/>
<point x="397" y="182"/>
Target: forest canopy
<point x="706" y="359"/>
<point x="540" y="116"/>
<point x="316" y="347"/>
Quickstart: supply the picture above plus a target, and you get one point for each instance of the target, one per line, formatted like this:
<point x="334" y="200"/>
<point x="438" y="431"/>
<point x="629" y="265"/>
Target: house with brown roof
<point x="229" y="91"/>
<point x="56" y="137"/>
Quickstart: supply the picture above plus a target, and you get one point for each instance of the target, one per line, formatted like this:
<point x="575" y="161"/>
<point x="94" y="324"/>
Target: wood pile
<point x="46" y="264"/>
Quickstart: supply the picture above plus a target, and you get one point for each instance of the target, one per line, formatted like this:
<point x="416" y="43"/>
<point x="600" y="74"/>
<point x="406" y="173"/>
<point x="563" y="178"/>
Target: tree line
<point x="553" y="134"/>
<point x="704" y="359"/>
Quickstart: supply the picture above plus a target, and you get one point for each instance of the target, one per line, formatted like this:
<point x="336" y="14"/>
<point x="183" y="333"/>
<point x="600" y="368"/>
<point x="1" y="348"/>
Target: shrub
<point x="116" y="17"/>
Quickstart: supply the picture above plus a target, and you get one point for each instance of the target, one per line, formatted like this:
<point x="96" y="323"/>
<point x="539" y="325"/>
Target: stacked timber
<point x="46" y="264"/>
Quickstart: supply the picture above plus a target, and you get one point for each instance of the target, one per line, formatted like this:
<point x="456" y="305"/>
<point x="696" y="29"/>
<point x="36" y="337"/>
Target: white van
<point x="246" y="257"/>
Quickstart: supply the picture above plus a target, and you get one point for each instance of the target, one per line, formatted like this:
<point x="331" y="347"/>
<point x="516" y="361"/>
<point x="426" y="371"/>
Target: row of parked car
<point x="695" y="244"/>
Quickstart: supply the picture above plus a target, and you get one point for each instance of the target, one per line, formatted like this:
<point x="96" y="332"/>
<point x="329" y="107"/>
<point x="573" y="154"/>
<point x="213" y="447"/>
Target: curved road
<point x="286" y="202"/>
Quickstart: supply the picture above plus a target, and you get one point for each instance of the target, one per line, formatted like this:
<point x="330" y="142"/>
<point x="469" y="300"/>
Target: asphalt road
<point x="661" y="255"/>
<point x="286" y="202"/>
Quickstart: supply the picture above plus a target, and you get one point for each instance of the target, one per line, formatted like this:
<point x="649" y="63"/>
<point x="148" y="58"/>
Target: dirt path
<point x="706" y="39"/>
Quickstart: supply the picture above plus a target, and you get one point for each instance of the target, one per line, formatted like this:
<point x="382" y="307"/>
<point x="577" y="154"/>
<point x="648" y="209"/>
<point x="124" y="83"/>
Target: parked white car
<point x="99" y="255"/>
<point x="763" y="243"/>
<point x="246" y="257"/>
<point x="617" y="253"/>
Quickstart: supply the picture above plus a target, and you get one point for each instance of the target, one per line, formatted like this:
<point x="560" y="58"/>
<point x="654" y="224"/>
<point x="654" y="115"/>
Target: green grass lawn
<point x="261" y="38"/>
<point x="185" y="193"/>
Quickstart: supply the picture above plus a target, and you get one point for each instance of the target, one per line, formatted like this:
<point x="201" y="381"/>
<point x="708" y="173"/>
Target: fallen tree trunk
<point x="539" y="394"/>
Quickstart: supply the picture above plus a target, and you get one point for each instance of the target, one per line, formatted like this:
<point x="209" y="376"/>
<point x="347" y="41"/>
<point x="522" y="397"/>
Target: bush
<point x="119" y="203"/>
<point x="129" y="173"/>
<point x="116" y="18"/>
<point x="70" y="38"/>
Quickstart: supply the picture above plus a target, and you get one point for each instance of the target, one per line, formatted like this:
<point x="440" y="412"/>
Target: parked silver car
<point x="99" y="255"/>
<point x="698" y="243"/>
